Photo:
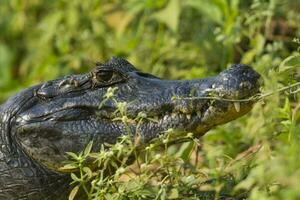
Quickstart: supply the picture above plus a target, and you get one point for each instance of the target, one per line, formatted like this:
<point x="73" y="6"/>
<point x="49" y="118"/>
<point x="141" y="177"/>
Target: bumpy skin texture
<point x="40" y="124"/>
<point x="20" y="176"/>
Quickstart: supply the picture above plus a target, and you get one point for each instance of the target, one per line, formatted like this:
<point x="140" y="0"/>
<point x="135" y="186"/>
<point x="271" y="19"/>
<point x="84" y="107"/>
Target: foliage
<point x="255" y="157"/>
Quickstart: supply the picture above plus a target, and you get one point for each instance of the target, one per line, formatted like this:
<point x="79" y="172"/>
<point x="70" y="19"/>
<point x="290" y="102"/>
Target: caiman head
<point x="114" y="99"/>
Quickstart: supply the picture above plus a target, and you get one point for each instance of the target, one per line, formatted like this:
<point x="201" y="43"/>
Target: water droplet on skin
<point x="13" y="163"/>
<point x="27" y="172"/>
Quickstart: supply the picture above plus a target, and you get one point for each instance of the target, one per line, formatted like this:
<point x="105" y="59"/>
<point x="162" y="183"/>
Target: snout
<point x="238" y="82"/>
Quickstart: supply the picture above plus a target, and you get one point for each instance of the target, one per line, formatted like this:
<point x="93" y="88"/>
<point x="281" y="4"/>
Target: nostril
<point x="46" y="91"/>
<point x="40" y="94"/>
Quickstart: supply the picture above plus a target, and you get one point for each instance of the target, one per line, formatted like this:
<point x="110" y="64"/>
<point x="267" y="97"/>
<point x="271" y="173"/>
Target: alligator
<point x="38" y="125"/>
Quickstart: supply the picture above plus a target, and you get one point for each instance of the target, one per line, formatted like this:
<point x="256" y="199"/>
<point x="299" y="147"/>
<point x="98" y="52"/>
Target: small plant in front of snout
<point x="96" y="172"/>
<point x="126" y="170"/>
<point x="130" y="169"/>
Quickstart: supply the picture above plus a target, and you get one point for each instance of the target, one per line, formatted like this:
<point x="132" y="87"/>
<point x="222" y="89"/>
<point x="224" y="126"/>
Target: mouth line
<point x="158" y="117"/>
<point x="228" y="95"/>
<point x="81" y="113"/>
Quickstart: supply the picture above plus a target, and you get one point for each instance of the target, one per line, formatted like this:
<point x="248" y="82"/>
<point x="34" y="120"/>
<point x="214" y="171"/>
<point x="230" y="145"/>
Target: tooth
<point x="199" y="113"/>
<point x="237" y="106"/>
<point x="188" y="116"/>
<point x="165" y="118"/>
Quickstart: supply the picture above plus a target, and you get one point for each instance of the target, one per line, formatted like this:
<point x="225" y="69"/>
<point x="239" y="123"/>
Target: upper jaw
<point x="183" y="109"/>
<point x="190" y="110"/>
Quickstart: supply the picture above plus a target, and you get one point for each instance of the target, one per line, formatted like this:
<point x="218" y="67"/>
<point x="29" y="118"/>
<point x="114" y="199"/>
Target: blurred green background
<point x="175" y="39"/>
<point x="40" y="40"/>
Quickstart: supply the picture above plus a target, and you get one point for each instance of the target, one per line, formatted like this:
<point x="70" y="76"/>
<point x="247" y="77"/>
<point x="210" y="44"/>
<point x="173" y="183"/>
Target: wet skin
<point x="38" y="125"/>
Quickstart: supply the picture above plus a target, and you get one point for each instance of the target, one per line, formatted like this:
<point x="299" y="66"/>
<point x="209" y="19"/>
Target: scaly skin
<point x="41" y="123"/>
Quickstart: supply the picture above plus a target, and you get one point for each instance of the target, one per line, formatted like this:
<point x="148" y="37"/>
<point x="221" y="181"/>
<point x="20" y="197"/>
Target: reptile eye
<point x="104" y="76"/>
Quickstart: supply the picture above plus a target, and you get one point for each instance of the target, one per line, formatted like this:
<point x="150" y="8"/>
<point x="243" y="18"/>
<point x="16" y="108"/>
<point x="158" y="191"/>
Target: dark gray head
<point x="65" y="114"/>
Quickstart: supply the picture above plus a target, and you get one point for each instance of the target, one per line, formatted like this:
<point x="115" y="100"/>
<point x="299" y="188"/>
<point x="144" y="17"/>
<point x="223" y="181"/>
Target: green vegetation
<point x="255" y="157"/>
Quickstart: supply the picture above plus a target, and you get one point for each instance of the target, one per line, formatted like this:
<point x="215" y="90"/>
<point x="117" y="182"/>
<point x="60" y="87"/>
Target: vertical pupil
<point x="104" y="75"/>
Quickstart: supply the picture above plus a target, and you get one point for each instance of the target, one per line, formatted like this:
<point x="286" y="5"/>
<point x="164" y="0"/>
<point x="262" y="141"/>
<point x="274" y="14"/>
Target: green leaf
<point x="245" y="184"/>
<point x="289" y="63"/>
<point x="68" y="168"/>
<point x="73" y="192"/>
<point x="190" y="180"/>
<point x="75" y="178"/>
<point x="88" y="172"/>
<point x="287" y="106"/>
<point x="170" y="15"/>
<point x="207" y="9"/>
<point x="185" y="150"/>
<point x="73" y="155"/>
<point x="88" y="149"/>
<point x="174" y="194"/>
<point x="94" y="155"/>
